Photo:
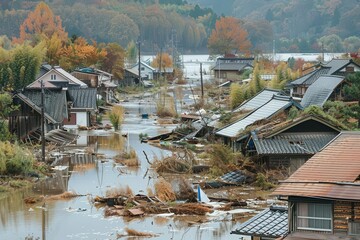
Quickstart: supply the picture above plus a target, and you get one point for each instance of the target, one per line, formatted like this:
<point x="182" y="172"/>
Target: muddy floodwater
<point x="77" y="218"/>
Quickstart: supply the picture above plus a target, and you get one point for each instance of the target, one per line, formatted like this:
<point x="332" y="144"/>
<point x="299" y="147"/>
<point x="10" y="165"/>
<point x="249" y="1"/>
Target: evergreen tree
<point x="352" y="92"/>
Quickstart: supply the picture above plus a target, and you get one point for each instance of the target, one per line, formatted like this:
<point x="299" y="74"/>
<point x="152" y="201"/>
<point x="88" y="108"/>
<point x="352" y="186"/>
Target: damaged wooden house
<point x="264" y="108"/>
<point x="288" y="143"/>
<point x="68" y="102"/>
<point x="323" y="198"/>
<point x="324" y="194"/>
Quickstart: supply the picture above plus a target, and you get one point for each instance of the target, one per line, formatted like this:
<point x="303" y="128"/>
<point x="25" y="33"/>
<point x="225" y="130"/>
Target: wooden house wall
<point x="343" y="211"/>
<point x="285" y="161"/>
<point x="90" y="79"/>
<point x="21" y="126"/>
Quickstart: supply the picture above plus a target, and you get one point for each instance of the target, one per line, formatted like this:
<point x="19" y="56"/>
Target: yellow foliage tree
<point x="161" y="61"/>
<point x="80" y="53"/>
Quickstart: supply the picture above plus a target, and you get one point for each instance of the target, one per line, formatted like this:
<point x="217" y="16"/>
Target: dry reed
<point x="164" y="191"/>
<point x="65" y="195"/>
<point x="119" y="191"/>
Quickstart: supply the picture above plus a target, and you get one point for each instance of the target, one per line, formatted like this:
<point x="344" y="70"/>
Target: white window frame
<point x="299" y="217"/>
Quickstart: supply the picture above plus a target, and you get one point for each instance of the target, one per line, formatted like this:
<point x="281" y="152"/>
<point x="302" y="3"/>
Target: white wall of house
<point x="81" y="120"/>
<point x="145" y="70"/>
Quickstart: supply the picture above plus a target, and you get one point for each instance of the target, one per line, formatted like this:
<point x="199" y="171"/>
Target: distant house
<point x="93" y="77"/>
<point x="131" y="77"/>
<point x="277" y="104"/>
<point x="146" y="71"/>
<point x="324" y="194"/>
<point x="336" y="67"/>
<point x="289" y="144"/>
<point x="57" y="78"/>
<point x="167" y="73"/>
<point x="96" y="78"/>
<point x="231" y="68"/>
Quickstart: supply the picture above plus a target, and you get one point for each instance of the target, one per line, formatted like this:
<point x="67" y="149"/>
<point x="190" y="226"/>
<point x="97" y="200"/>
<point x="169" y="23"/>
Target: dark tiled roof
<point x="235" y="177"/>
<point x="311" y="77"/>
<point x="329" y="68"/>
<point x="319" y="92"/>
<point x="272" y="223"/>
<point x="83" y="98"/>
<point x="55" y="103"/>
<point x="231" y="66"/>
<point x="293" y="143"/>
<point x="337" y="64"/>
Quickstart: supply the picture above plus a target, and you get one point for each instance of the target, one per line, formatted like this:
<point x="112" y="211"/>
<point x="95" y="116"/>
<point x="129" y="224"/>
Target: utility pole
<point x="139" y="69"/>
<point x="42" y="122"/>
<point x="201" y="80"/>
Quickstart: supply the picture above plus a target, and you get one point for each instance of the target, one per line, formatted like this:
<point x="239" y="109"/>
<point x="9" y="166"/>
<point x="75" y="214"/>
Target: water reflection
<point x="92" y="172"/>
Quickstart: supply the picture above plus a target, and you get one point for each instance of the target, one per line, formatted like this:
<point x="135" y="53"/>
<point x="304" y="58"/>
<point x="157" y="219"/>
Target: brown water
<point x="78" y="219"/>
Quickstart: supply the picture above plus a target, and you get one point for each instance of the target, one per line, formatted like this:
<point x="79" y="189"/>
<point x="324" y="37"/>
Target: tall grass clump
<point x="116" y="116"/>
<point x="222" y="159"/>
<point x="14" y="160"/>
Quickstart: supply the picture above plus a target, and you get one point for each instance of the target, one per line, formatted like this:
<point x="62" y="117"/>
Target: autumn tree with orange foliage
<point x="162" y="61"/>
<point x="228" y="36"/>
<point x="80" y="54"/>
<point x="41" y="23"/>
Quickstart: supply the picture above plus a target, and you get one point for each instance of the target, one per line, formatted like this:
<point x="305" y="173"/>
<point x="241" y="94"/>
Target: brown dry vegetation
<point x="129" y="159"/>
<point x="135" y="233"/>
<point x="65" y="195"/>
<point x="177" y="163"/>
<point x="119" y="191"/>
<point x="164" y="190"/>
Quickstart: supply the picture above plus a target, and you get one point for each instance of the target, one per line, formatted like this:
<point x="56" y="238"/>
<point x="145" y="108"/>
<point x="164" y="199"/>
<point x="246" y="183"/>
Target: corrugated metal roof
<point x="271" y="223"/>
<point x="319" y="92"/>
<point x="331" y="173"/>
<point x="273" y="106"/>
<point x="260" y="99"/>
<point x="83" y="98"/>
<point x="293" y="143"/>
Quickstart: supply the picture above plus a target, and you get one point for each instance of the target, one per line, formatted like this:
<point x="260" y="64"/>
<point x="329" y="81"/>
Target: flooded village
<point x="197" y="129"/>
<point x="178" y="177"/>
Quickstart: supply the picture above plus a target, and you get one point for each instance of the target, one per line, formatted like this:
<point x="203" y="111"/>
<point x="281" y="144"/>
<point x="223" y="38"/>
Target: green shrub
<point x="15" y="160"/>
<point x="262" y="182"/>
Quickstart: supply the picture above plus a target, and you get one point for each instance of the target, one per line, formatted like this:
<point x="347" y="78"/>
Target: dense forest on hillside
<point x="289" y="25"/>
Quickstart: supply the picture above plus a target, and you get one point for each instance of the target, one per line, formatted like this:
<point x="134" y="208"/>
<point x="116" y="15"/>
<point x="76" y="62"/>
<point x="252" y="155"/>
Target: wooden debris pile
<point x="180" y="162"/>
<point x="140" y="205"/>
